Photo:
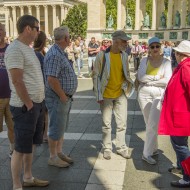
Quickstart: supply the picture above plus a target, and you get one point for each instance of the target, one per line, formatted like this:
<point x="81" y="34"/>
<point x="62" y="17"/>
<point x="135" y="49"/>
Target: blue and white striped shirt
<point x="56" y="64"/>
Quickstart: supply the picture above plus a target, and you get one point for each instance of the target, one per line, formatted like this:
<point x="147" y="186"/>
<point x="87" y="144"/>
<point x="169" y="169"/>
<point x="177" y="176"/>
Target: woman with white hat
<point x="175" y="114"/>
<point x="153" y="74"/>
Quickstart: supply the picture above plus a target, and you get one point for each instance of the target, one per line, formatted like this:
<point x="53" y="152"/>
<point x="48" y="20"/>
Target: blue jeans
<point x="180" y="146"/>
<point x="81" y="59"/>
<point x="58" y="113"/>
<point x="78" y="63"/>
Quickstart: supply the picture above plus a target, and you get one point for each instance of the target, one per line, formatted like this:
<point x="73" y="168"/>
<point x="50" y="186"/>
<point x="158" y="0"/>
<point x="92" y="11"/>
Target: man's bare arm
<point x="17" y="80"/>
<point x="56" y="86"/>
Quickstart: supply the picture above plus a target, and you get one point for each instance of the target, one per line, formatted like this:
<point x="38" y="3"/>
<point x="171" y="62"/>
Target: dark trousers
<point x="180" y="146"/>
<point x="136" y="63"/>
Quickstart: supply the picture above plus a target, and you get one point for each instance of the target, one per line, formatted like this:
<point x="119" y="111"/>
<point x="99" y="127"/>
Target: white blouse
<point x="150" y="80"/>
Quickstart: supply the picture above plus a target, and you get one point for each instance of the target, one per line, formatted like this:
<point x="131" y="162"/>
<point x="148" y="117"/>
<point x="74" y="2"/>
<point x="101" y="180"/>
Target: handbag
<point x="136" y="84"/>
<point x="186" y="166"/>
<point x="128" y="87"/>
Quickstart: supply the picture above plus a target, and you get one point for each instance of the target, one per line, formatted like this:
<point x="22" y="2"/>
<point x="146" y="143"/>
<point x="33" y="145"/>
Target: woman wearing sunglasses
<point x="153" y="74"/>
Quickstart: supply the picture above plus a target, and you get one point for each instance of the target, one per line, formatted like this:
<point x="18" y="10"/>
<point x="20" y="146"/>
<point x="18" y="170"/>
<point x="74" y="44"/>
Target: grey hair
<point x="60" y="32"/>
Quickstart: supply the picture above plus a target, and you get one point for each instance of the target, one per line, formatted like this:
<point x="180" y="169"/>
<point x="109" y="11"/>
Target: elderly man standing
<point x="61" y="83"/>
<point x="27" y="101"/>
<point x="110" y="72"/>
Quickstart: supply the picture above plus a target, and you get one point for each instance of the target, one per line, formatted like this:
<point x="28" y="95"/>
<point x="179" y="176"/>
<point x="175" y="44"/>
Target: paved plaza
<point x="90" y="170"/>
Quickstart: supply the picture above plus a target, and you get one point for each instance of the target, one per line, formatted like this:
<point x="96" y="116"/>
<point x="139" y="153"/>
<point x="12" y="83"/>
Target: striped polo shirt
<point x="20" y="56"/>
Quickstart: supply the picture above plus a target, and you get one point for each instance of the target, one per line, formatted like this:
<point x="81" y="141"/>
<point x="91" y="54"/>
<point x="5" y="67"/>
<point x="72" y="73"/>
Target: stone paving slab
<point x="90" y="170"/>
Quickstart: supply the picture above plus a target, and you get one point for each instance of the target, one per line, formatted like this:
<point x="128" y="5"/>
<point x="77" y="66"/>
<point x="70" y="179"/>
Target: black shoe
<point x="180" y="185"/>
<point x="175" y="170"/>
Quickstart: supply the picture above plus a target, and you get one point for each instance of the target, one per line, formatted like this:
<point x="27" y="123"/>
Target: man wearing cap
<point x="61" y="84"/>
<point x="110" y="72"/>
<point x="175" y="114"/>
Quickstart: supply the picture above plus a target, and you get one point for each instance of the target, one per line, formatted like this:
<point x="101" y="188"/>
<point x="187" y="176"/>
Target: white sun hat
<point x="183" y="47"/>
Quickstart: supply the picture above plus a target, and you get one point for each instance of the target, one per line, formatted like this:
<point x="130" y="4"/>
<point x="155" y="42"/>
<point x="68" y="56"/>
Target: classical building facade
<point x="50" y="13"/>
<point x="97" y="24"/>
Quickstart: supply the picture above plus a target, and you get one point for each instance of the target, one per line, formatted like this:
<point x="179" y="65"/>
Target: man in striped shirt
<point x="27" y="101"/>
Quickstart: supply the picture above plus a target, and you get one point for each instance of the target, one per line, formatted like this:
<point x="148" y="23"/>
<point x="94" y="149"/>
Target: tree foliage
<point x="76" y="20"/>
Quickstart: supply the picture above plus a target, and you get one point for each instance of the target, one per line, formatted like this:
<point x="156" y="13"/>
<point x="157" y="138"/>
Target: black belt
<point x="69" y="96"/>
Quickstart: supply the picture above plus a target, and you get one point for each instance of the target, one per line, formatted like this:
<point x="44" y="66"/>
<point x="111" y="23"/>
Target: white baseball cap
<point x="183" y="47"/>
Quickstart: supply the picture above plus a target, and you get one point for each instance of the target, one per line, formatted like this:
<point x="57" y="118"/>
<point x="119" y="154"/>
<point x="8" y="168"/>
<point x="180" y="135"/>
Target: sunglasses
<point x="157" y="46"/>
<point x="36" y="27"/>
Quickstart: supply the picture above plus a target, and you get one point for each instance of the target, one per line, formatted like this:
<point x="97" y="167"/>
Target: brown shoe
<point x="65" y="158"/>
<point x="35" y="183"/>
<point x="57" y="162"/>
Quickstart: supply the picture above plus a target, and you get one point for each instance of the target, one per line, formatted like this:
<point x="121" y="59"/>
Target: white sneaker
<point x="107" y="154"/>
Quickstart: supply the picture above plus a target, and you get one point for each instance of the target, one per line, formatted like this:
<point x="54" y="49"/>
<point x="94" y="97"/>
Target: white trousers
<point x="149" y="101"/>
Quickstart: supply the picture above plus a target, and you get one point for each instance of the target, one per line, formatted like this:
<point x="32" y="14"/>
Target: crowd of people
<point x="39" y="82"/>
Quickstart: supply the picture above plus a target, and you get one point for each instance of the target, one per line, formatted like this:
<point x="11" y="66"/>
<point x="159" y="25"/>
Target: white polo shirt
<point x="20" y="56"/>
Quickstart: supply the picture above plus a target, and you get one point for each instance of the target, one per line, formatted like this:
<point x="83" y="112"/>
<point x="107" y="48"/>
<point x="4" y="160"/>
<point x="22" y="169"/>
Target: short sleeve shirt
<point x="56" y="64"/>
<point x="91" y="45"/>
<point x="20" y="56"/>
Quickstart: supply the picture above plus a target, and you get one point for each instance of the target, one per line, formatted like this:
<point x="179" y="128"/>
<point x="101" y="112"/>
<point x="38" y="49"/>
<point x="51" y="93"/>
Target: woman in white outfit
<point x="153" y="74"/>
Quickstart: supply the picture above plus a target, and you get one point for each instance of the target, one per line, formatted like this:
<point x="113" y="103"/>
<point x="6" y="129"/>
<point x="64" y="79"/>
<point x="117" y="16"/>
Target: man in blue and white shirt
<point x="61" y="84"/>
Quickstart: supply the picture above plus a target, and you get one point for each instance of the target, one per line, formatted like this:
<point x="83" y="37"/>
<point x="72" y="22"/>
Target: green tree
<point x="111" y="9"/>
<point x="76" y="20"/>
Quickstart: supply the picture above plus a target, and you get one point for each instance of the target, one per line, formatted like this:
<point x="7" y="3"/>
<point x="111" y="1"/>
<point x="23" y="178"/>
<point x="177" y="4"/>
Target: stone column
<point x="29" y="10"/>
<point x="170" y="14"/>
<point x="183" y="12"/>
<point x="7" y="15"/>
<point x="38" y="12"/>
<point x="54" y="16"/>
<point x="14" y="21"/>
<point x="96" y="16"/>
<point x="62" y="13"/>
<point x="154" y="14"/>
<point x="137" y="15"/>
<point x="123" y="13"/>
<point x="46" y="19"/>
<point x="118" y="14"/>
<point x="21" y="10"/>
